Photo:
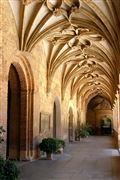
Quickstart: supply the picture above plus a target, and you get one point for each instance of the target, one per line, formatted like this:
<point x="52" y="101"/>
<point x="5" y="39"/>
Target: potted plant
<point x="83" y="131"/>
<point x="89" y="128"/>
<point x="48" y="145"/>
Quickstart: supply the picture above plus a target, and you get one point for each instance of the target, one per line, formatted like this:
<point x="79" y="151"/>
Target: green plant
<point x="2" y="165"/>
<point x="89" y="128"/>
<point x="8" y="170"/>
<point x="48" y="145"/>
<point x="106" y="122"/>
<point x="83" y="131"/>
<point x="60" y="143"/>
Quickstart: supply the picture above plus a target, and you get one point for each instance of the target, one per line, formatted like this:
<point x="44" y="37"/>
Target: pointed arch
<point x="20" y="110"/>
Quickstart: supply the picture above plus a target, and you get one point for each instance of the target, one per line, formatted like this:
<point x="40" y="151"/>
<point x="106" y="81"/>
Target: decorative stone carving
<point x="26" y="2"/>
<point x="72" y="3"/>
<point x="52" y="5"/>
<point x="71" y="36"/>
<point x="59" y="12"/>
<point x="91" y="75"/>
<point x="74" y="6"/>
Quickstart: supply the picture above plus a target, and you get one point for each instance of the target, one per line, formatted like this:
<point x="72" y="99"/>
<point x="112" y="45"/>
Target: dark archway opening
<point x="20" y="113"/>
<point x="106" y="126"/>
<point x="98" y="108"/>
<point x="14" y="111"/>
<point x="57" y="119"/>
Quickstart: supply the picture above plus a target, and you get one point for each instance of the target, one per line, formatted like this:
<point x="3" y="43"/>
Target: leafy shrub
<point x="48" y="145"/>
<point x="89" y="128"/>
<point x="2" y="165"/>
<point x="60" y="143"/>
<point x="83" y="131"/>
<point x="8" y="170"/>
<point x="51" y="145"/>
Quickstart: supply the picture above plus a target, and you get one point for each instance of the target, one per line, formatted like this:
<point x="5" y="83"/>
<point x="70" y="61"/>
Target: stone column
<point x="115" y="119"/>
<point x="82" y="110"/>
<point x="118" y="114"/>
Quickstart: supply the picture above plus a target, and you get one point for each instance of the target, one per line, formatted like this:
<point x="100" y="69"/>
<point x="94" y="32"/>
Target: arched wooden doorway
<point x="13" y="125"/>
<point x="70" y="126"/>
<point x="19" y="119"/>
<point x="56" y="119"/>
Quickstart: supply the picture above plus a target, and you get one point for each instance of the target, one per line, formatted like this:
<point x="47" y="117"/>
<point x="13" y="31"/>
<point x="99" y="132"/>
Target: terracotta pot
<point x="48" y="156"/>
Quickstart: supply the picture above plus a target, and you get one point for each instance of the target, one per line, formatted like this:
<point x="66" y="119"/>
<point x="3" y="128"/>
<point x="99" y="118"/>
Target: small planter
<point x="51" y="145"/>
<point x="83" y="131"/>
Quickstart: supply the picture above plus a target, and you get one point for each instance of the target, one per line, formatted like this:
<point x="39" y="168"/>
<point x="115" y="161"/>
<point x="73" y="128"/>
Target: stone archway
<point x="19" y="114"/>
<point x="56" y="119"/>
<point x="97" y="108"/>
<point x="70" y="126"/>
<point x="14" y="110"/>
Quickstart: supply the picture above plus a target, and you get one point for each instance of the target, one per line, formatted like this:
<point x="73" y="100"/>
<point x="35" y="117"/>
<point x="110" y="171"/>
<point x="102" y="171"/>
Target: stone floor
<point x="94" y="158"/>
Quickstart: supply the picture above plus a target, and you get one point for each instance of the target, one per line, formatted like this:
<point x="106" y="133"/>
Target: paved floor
<point x="94" y="158"/>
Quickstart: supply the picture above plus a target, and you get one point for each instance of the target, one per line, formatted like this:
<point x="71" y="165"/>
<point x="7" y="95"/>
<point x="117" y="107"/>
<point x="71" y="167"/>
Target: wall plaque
<point x="44" y="124"/>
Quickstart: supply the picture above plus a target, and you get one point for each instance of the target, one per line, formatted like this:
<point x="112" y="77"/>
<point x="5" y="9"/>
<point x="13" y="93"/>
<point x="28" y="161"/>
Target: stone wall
<point x="34" y="77"/>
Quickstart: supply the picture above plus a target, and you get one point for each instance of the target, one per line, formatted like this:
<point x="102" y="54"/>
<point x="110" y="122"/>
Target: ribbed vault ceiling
<point x="82" y="38"/>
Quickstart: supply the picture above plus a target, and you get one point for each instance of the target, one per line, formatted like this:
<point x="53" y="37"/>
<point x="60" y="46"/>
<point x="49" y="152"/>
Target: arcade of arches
<point x="59" y="68"/>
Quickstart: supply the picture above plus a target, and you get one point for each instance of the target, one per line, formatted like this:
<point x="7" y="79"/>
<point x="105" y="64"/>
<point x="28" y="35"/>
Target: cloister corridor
<point x="60" y="73"/>
<point x="93" y="158"/>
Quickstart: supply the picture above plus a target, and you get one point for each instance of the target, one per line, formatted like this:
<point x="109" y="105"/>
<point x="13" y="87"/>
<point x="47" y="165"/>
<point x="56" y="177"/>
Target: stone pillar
<point x="26" y="137"/>
<point x="115" y="119"/>
<point x="82" y="110"/>
<point x="118" y="114"/>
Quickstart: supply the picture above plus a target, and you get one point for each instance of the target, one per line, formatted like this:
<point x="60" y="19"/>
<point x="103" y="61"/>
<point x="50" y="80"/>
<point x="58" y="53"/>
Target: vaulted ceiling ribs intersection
<point x="83" y="37"/>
